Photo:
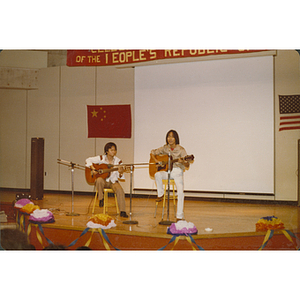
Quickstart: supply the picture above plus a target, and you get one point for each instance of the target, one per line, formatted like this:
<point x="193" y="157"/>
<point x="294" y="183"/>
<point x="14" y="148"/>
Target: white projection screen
<point x="223" y="113"/>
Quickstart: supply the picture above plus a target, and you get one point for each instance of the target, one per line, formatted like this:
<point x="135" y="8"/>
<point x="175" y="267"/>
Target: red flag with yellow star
<point x="109" y="121"/>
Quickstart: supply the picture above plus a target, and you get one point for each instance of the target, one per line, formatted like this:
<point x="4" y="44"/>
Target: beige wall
<point x="56" y="111"/>
<point x="287" y="81"/>
<point x="13" y="135"/>
<point x="23" y="59"/>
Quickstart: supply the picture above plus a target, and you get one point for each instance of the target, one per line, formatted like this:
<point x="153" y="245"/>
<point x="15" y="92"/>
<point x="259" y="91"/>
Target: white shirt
<point x="176" y="153"/>
<point x="99" y="159"/>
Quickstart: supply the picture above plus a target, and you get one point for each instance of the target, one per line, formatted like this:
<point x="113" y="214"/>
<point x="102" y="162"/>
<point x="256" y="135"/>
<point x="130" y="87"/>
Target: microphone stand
<point x="72" y="180"/>
<point x="130" y="213"/>
<point x="168" y="222"/>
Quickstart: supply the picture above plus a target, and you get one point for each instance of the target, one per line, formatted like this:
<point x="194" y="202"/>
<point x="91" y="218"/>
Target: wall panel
<point x="13" y="138"/>
<point x="77" y="90"/>
<point x="287" y="82"/>
<point x="43" y="121"/>
<point x="116" y="86"/>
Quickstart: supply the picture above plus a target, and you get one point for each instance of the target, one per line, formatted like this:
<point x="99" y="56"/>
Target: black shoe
<point x="159" y="199"/>
<point x="123" y="214"/>
<point x="101" y="203"/>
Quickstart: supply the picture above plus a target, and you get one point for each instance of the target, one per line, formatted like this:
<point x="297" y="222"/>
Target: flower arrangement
<point x="101" y="221"/>
<point x="269" y="223"/>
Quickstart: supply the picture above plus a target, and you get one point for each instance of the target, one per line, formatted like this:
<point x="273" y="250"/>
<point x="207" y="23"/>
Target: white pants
<point x="177" y="175"/>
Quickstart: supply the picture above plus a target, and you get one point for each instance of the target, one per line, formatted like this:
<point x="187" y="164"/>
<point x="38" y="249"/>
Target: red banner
<point x="119" y="57"/>
<point x="109" y="121"/>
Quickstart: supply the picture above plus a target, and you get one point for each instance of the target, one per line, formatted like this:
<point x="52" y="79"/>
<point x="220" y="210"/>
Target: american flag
<point x="289" y="107"/>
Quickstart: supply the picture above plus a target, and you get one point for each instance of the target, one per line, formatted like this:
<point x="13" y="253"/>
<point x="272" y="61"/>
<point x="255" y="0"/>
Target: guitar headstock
<point x="189" y="157"/>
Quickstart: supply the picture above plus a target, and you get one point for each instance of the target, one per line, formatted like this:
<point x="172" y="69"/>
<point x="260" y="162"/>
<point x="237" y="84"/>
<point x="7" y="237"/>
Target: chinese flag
<point x="109" y="121"/>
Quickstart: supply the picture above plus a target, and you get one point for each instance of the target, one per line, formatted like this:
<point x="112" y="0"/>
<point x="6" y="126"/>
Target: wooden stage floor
<point x="229" y="221"/>
<point x="224" y="218"/>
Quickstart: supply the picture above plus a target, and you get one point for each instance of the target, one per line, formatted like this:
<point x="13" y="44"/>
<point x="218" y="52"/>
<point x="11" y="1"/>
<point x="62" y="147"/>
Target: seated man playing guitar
<point x="100" y="169"/>
<point x="180" y="161"/>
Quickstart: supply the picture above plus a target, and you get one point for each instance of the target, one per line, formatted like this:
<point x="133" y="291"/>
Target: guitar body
<point x="91" y="177"/>
<point x="157" y="168"/>
<point x="153" y="168"/>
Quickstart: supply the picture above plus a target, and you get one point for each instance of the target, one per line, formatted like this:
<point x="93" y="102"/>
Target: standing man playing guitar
<point x="180" y="163"/>
<point x="108" y="179"/>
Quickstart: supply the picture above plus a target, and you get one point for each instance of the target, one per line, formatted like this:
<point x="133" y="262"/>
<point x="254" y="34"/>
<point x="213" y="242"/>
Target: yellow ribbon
<point x="87" y="244"/>
<point x="37" y="233"/>
<point x="187" y="238"/>
<point x="265" y="239"/>
<point x="175" y="242"/>
<point x="29" y="229"/>
<point x="289" y="238"/>
<point x="190" y="241"/>
<point x="103" y="239"/>
<point x="286" y="234"/>
<point x="21" y="223"/>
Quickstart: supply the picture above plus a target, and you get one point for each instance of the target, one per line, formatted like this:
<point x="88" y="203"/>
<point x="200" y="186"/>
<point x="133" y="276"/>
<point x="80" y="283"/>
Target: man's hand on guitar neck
<point x="121" y="171"/>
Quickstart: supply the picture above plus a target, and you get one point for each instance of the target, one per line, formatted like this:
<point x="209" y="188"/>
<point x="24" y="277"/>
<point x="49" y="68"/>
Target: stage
<point x="232" y="224"/>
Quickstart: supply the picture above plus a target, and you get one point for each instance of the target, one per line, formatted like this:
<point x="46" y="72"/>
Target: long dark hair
<point x="108" y="146"/>
<point x="175" y="134"/>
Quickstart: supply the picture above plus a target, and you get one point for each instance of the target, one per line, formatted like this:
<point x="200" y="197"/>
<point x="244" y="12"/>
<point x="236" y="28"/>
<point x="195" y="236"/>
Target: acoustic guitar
<point x="164" y="163"/>
<point x="103" y="170"/>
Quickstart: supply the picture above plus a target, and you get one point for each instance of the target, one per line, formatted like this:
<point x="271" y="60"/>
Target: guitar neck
<point x="188" y="158"/>
<point x="101" y="171"/>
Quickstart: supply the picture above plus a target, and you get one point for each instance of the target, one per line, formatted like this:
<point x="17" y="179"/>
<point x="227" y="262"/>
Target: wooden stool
<point x="106" y="204"/>
<point x="165" y="183"/>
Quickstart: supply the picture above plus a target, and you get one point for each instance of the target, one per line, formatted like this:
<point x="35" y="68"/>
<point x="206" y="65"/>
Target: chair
<point x="165" y="183"/>
<point x="106" y="204"/>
